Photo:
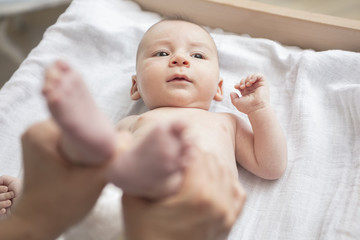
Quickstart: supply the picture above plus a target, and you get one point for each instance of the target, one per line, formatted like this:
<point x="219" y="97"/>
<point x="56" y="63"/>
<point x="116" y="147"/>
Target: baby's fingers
<point x="250" y="80"/>
<point x="247" y="81"/>
<point x="241" y="85"/>
<point x="234" y="97"/>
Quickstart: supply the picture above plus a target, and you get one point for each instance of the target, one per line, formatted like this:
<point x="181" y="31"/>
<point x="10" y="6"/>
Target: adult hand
<point x="10" y="188"/>
<point x="55" y="193"/>
<point x="206" y="206"/>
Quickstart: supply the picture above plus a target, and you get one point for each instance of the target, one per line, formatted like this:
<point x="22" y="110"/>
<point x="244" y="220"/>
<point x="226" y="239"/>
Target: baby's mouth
<point x="179" y="78"/>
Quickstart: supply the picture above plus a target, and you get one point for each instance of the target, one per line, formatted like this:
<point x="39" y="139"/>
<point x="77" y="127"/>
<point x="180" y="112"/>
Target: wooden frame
<point x="287" y="26"/>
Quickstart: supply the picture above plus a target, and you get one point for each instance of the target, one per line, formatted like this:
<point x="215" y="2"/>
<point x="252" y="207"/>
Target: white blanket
<point x="316" y="96"/>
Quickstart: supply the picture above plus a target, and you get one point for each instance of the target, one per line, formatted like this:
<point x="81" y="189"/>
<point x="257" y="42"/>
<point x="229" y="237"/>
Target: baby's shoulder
<point x="225" y="115"/>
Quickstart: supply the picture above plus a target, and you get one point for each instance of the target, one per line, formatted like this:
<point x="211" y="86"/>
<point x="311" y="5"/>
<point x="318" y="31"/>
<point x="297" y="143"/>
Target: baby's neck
<point x="169" y="108"/>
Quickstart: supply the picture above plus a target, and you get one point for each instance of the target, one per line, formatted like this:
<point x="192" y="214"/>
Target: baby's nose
<point x="179" y="61"/>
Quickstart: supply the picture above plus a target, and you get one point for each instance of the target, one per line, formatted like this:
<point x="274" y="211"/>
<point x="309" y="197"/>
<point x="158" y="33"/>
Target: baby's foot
<point x="154" y="168"/>
<point x="87" y="135"/>
<point x="10" y="188"/>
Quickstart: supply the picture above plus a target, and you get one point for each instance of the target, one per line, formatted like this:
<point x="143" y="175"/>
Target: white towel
<point x="316" y="97"/>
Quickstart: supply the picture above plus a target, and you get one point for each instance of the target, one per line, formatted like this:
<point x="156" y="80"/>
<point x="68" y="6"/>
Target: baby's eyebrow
<point x="202" y="45"/>
<point x="161" y="42"/>
<point x="196" y="45"/>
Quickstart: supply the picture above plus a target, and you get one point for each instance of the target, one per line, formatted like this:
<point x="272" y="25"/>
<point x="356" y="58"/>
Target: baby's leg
<point x="88" y="136"/>
<point x="153" y="168"/>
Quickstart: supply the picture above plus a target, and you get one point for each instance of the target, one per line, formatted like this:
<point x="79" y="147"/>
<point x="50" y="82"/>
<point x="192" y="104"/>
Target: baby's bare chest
<point x="212" y="132"/>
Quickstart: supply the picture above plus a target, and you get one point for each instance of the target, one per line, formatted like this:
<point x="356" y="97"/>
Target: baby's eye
<point x="161" y="54"/>
<point x="197" y="55"/>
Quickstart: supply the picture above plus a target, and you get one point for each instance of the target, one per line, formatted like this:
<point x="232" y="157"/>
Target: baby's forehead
<point x="177" y="25"/>
<point x="166" y="27"/>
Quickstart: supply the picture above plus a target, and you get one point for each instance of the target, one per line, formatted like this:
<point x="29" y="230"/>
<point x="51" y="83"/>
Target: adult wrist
<point x="31" y="227"/>
<point x="17" y="228"/>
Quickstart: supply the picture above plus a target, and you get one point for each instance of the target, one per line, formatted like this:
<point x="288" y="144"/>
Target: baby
<point x="177" y="77"/>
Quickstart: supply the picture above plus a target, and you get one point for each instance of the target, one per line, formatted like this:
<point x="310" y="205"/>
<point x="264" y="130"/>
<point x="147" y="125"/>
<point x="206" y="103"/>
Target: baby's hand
<point x="254" y="94"/>
<point x="10" y="188"/>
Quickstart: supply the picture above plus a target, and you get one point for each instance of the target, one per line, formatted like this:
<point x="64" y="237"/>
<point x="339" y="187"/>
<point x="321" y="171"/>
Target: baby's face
<point x="177" y="66"/>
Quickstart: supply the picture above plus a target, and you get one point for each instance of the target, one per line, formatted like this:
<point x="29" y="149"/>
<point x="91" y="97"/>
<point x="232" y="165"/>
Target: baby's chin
<point x="178" y="98"/>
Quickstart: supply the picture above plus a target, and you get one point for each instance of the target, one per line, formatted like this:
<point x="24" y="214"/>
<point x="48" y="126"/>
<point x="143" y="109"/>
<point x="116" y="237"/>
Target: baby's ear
<point x="219" y="92"/>
<point x="134" y="92"/>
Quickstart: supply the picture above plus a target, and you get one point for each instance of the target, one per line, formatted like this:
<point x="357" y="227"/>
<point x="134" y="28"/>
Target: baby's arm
<point x="10" y="188"/>
<point x="263" y="150"/>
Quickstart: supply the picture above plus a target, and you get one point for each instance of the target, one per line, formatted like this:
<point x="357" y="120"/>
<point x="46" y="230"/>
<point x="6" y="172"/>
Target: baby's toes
<point x="171" y="159"/>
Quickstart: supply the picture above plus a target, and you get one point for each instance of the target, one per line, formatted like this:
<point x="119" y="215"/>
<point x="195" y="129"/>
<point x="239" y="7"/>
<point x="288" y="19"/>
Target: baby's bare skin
<point x="151" y="168"/>
<point x="223" y="126"/>
<point x="177" y="77"/>
<point x="88" y="136"/>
